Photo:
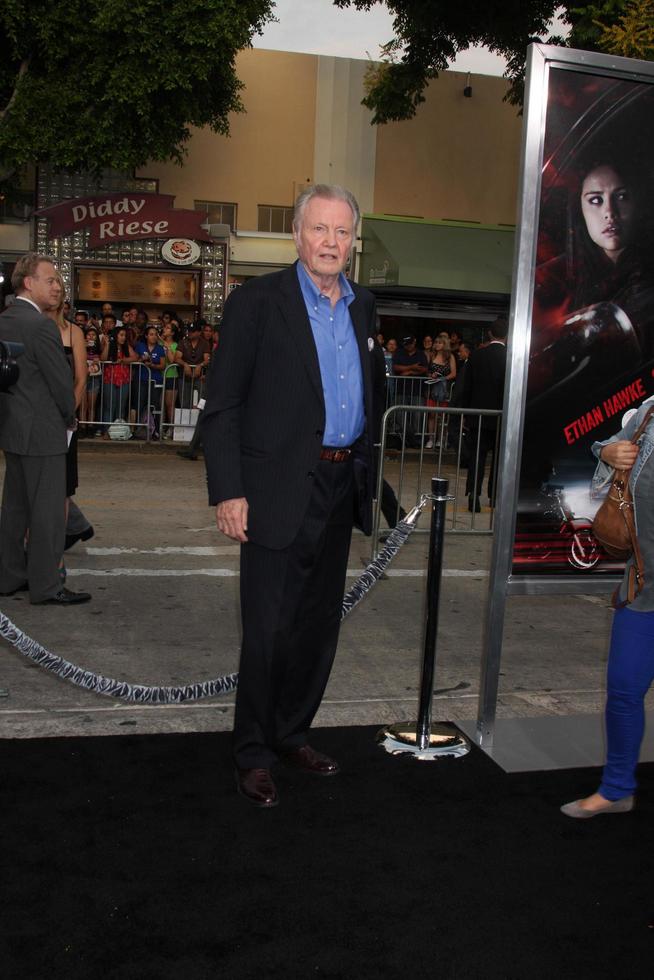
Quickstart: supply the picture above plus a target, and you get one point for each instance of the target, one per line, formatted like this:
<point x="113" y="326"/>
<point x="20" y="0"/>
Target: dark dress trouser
<point x="33" y="497"/>
<point x="291" y="611"/>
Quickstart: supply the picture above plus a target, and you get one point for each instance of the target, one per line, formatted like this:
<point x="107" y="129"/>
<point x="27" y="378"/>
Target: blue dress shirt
<point x="340" y="362"/>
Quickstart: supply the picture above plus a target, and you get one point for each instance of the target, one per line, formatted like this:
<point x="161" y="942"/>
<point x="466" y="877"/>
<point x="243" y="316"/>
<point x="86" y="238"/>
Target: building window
<point x="218" y="213"/>
<point x="275" y="218"/>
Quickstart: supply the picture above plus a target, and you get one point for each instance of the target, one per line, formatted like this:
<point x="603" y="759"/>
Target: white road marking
<point x="234" y="572"/>
<point x="200" y="551"/>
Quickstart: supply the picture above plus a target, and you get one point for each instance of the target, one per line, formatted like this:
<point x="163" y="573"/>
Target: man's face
<point x="324" y="239"/>
<point x="106" y="308"/>
<point x="43" y="288"/>
<point x="80" y="319"/>
<point x="410" y="346"/>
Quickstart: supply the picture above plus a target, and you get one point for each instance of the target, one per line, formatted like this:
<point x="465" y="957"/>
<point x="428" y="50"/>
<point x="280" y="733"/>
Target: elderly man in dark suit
<point x="483" y="387"/>
<point x="34" y="418"/>
<point x="287" y="430"/>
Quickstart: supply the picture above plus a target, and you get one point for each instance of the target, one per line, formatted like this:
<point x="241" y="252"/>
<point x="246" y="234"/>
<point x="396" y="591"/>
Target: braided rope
<point x="143" y="694"/>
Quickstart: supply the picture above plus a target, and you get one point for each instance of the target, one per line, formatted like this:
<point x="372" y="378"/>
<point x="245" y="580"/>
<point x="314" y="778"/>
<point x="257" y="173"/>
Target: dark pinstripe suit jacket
<point x="34" y="416"/>
<point x="264" y="419"/>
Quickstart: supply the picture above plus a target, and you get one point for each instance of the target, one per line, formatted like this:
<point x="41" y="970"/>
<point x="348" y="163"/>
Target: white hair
<point x="331" y="192"/>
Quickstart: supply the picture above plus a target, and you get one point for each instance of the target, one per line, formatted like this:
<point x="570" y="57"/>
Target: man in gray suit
<point x="34" y="417"/>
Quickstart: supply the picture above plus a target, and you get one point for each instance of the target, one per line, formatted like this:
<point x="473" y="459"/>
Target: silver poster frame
<point x="502" y="584"/>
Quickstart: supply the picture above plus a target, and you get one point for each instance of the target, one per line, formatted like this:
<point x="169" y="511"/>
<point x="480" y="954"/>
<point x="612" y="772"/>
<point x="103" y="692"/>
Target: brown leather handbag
<point x="614" y="525"/>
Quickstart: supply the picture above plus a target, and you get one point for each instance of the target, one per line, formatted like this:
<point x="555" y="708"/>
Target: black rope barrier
<point x="144" y="694"/>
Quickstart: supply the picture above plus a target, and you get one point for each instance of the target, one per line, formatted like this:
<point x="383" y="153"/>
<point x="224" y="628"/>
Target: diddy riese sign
<point x="124" y="217"/>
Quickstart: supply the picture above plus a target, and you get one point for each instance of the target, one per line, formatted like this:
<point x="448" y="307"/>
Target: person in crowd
<point x="208" y="334"/>
<point x="409" y="363"/>
<point x="81" y="319"/>
<point x="107" y="310"/>
<point x="94" y="321"/>
<point x="195" y="445"/>
<point x="287" y="465"/>
<point x="483" y="387"/>
<point x="89" y="402"/>
<point x="35" y="417"/>
<point x="454" y="426"/>
<point x="455" y="341"/>
<point x="381" y="340"/>
<point x="152" y="356"/>
<point x="427" y="343"/>
<point x="169" y="341"/>
<point x="389" y="351"/>
<point x="75" y="350"/>
<point x="107" y="325"/>
<point x="630" y="669"/>
<point x="141" y="321"/>
<point x="67" y="312"/>
<point x="169" y="316"/>
<point x="116" y="376"/>
<point x="129" y="322"/>
<point x="441" y="372"/>
<point x="193" y="356"/>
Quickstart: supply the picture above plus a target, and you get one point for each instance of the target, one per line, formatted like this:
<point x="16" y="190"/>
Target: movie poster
<point x="591" y="356"/>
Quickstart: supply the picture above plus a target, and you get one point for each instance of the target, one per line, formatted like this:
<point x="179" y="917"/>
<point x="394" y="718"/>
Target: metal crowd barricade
<point x="178" y="404"/>
<point x="150" y="409"/>
<point x="126" y="397"/>
<point x="456" y="453"/>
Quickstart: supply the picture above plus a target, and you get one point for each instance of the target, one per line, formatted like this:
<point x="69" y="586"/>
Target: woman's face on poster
<point x="608" y="209"/>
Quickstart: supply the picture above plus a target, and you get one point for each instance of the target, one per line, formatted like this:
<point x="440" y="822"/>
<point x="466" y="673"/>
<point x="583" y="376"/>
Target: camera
<point x="9" y="370"/>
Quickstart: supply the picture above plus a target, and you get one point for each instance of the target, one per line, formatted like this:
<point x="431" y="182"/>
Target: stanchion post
<point x="422" y="739"/>
<point x="439" y="489"/>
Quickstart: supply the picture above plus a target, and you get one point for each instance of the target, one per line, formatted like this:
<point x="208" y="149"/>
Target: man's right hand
<point x="232" y="518"/>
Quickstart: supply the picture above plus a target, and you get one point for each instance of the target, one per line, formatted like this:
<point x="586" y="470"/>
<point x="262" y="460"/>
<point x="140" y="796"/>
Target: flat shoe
<point x="64" y="597"/>
<point x="72" y="539"/>
<point x="578" y="812"/>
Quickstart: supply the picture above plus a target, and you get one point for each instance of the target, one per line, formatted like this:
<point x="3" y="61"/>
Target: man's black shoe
<point x="72" y="539"/>
<point x="64" y="597"/>
<point x="20" y="588"/>
<point x="185" y="454"/>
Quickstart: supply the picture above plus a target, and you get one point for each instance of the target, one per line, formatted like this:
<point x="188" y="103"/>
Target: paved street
<point x="165" y="611"/>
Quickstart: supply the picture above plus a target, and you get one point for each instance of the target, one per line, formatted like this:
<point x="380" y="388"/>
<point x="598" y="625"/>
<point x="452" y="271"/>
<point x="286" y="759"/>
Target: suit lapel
<point x="360" y="323"/>
<point x="295" y="314"/>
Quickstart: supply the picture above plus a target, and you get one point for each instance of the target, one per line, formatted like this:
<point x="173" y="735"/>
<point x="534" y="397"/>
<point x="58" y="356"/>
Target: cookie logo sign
<point x="180" y="251"/>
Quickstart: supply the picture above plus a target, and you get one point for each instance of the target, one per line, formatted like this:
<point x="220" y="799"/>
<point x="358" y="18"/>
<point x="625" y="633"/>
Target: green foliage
<point x="89" y="84"/>
<point x="633" y="34"/>
<point x="430" y="33"/>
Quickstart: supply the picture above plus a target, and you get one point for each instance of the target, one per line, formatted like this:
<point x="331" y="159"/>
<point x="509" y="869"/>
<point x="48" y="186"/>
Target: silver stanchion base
<point x="400" y="739"/>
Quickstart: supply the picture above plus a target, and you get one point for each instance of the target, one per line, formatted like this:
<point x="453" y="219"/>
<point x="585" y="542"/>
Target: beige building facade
<point x="455" y="162"/>
<point x="438" y="192"/>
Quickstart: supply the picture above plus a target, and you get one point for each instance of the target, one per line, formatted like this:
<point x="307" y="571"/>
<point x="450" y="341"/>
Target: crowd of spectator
<point x="428" y="371"/>
<point x="140" y="369"/>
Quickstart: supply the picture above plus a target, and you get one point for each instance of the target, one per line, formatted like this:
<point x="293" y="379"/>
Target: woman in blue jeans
<point x="631" y="656"/>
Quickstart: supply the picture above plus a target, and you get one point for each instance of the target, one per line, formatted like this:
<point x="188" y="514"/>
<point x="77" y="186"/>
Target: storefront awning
<point x="436" y="255"/>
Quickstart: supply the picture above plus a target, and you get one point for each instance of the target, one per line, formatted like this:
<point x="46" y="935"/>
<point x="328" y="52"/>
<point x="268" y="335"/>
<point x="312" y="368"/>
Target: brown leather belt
<point x="335" y="455"/>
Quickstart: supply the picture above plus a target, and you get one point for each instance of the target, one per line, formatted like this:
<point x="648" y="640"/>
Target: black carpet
<point x="133" y="857"/>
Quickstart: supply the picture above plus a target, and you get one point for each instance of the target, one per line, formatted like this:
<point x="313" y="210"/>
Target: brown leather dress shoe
<point x="257" y="786"/>
<point x="308" y="760"/>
